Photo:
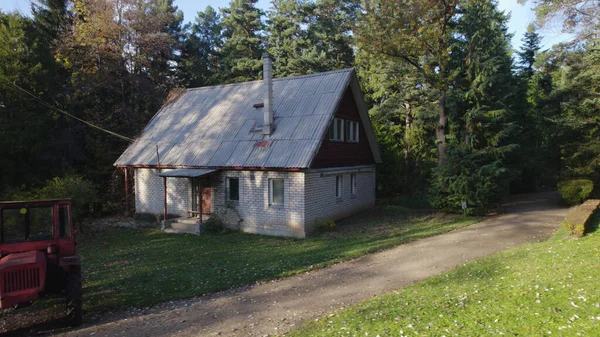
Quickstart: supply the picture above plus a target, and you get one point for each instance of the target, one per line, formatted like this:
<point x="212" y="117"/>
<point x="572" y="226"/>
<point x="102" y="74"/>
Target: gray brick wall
<point x="307" y="196"/>
<point x="321" y="198"/>
<point x="253" y="207"/>
<point x="149" y="193"/>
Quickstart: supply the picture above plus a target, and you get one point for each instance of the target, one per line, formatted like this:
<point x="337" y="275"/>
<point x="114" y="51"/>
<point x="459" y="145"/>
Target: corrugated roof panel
<point x="178" y="155"/>
<point x="286" y="106"/>
<point x="279" y="85"/>
<point x="246" y="130"/>
<point x="280" y="151"/>
<point x="309" y="85"/>
<point x="222" y="154"/>
<point x="306" y="127"/>
<point x="285" y="127"/>
<point x="186" y="173"/>
<point x="232" y="129"/>
<point x="259" y="155"/>
<point x="306" y="105"/>
<point x="213" y="126"/>
<point x="303" y="152"/>
<point x="203" y="153"/>
<point x="291" y="89"/>
<point x="327" y="102"/>
<point x="241" y="153"/>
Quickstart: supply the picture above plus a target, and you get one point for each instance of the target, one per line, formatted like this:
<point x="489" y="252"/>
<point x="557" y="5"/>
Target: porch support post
<point x="125" y="171"/>
<point x="165" y="204"/>
<point x="201" y="194"/>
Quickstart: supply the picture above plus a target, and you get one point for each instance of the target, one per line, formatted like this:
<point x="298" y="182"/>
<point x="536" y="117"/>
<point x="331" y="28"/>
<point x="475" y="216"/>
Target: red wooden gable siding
<point x="336" y="154"/>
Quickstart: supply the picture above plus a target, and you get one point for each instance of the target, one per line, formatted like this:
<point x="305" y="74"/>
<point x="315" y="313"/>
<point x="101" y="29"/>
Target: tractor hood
<point x="22" y="277"/>
<point x="26" y="259"/>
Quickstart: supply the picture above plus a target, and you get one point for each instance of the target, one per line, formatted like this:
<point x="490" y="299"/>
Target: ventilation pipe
<point x="268" y="99"/>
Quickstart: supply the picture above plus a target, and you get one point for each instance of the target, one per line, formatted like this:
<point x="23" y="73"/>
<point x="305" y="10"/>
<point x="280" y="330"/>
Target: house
<point x="269" y="157"/>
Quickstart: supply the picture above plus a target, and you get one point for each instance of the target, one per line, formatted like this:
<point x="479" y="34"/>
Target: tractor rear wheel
<point x="73" y="295"/>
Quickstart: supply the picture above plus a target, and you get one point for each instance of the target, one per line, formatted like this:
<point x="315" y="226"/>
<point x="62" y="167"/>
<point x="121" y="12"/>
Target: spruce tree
<point x="531" y="45"/>
<point x="201" y="53"/>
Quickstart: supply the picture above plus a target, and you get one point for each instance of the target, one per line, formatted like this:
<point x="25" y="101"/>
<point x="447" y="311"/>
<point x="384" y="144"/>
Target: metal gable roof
<point x="214" y="126"/>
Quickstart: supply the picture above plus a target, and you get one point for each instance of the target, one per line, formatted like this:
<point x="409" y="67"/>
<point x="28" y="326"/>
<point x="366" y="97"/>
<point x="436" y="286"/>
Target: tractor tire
<point x="73" y="294"/>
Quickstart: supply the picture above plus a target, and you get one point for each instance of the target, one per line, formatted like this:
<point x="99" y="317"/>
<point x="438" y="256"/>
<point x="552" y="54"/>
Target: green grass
<point x="138" y="268"/>
<point x="542" y="289"/>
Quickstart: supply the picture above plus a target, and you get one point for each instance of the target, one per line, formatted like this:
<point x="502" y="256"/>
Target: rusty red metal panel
<point x="337" y="154"/>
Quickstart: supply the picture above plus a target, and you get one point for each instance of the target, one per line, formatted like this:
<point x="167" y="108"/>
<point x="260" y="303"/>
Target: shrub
<point x="574" y="192"/>
<point x="470" y="177"/>
<point x="324" y="224"/>
<point x="578" y="221"/>
<point x="82" y="193"/>
<point x="213" y="225"/>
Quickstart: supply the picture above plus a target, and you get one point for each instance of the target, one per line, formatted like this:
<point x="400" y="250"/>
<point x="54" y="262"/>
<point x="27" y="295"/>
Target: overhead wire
<point x="112" y="133"/>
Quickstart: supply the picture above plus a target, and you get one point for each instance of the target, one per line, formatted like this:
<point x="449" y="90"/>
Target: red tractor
<point x="37" y="254"/>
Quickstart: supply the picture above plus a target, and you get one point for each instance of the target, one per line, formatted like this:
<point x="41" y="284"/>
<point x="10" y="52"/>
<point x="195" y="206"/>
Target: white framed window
<point x="336" y="130"/>
<point x="276" y="191"/>
<point x="353" y="184"/>
<point x="352" y="131"/>
<point x="233" y="187"/>
<point x="339" y="183"/>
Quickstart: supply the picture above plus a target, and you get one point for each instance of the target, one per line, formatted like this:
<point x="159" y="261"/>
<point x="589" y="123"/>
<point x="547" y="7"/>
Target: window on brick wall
<point x="339" y="181"/>
<point x="276" y="191"/>
<point x="353" y="184"/>
<point x="336" y="130"/>
<point x="233" y="186"/>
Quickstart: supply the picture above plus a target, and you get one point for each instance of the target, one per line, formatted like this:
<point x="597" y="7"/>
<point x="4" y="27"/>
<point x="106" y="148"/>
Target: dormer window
<point x="336" y="130"/>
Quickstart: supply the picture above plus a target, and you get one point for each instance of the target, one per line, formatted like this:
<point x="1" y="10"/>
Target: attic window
<point x="351" y="132"/>
<point x="336" y="130"/>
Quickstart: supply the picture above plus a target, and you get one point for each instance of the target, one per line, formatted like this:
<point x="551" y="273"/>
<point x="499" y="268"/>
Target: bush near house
<point x="579" y="220"/>
<point x="574" y="192"/>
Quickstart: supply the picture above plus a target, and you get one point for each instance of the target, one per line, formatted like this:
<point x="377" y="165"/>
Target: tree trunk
<point x="440" y="132"/>
<point x="408" y="123"/>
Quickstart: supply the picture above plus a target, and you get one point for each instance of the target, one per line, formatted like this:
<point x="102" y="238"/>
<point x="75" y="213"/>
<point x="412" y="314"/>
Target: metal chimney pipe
<point x="268" y="99"/>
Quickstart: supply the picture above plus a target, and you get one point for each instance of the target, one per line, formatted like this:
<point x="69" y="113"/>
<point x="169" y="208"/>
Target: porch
<point x="200" y="200"/>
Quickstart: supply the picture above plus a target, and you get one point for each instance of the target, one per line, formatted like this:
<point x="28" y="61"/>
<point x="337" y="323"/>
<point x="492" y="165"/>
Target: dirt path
<point x="276" y="307"/>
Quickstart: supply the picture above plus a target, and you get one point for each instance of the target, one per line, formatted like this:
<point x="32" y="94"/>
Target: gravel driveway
<point x="272" y="308"/>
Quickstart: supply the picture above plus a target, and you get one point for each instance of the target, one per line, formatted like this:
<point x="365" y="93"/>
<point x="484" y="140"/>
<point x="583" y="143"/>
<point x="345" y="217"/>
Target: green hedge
<point x="574" y="192"/>
<point x="578" y="220"/>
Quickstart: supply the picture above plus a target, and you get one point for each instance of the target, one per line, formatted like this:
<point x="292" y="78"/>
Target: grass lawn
<point x="542" y="289"/>
<point x="138" y="268"/>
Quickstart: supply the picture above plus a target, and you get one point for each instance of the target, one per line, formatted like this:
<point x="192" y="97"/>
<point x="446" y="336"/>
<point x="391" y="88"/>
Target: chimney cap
<point x="266" y="56"/>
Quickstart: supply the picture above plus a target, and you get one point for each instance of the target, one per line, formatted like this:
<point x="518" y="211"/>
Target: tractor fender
<point x="66" y="261"/>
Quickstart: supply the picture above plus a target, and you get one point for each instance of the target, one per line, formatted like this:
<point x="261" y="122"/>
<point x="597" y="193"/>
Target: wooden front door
<point x="206" y="195"/>
<point x="206" y="200"/>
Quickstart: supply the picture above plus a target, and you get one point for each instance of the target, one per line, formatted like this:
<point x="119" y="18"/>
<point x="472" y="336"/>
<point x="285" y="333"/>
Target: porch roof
<point x="186" y="173"/>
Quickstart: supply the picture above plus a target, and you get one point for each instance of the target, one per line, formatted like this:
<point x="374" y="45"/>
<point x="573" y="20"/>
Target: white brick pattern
<point x="322" y="202"/>
<point x="307" y="196"/>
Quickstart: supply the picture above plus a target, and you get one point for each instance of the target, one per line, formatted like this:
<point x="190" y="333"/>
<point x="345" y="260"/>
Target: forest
<point x="459" y="115"/>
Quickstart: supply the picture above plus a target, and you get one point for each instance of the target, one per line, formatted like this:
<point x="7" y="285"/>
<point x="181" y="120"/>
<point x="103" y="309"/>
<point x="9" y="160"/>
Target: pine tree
<point x="330" y="32"/>
<point x="244" y="42"/>
<point x="287" y="41"/>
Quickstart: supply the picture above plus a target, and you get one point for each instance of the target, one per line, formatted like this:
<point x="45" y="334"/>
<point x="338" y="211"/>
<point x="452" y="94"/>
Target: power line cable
<point x="68" y="114"/>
